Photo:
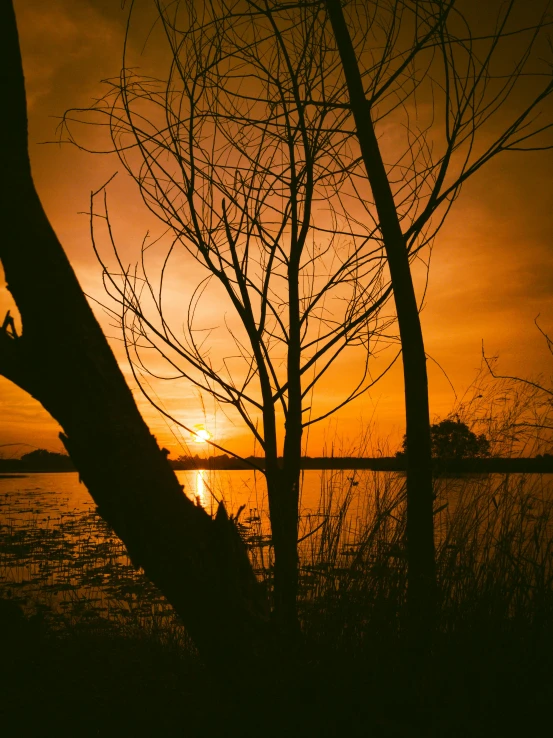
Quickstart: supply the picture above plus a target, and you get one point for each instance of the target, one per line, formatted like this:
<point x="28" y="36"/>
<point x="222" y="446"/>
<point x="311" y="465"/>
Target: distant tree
<point x="453" y="439"/>
<point x="40" y="458"/>
<point x="41" y="453"/>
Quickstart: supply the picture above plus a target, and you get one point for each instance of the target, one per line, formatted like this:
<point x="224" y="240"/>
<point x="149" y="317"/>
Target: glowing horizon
<point x="491" y="270"/>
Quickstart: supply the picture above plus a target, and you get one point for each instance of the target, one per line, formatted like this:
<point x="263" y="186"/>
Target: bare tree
<point x="256" y="149"/>
<point x="243" y="151"/>
<point x="455" y="97"/>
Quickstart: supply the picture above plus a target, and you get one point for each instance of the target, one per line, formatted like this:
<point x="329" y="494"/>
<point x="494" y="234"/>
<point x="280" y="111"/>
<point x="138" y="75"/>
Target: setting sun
<point x="200" y="435"/>
<point x="329" y="239"/>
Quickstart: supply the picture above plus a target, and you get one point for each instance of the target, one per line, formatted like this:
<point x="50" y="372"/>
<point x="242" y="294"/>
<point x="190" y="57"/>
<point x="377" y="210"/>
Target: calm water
<point x="58" y="557"/>
<point x="57" y="552"/>
<point x="50" y="496"/>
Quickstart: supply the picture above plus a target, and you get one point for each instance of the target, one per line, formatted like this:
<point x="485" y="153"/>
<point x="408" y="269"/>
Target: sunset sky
<point x="491" y="272"/>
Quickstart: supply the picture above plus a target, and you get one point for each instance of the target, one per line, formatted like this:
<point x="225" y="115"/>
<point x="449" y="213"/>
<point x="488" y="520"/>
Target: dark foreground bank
<point x="89" y="682"/>
<point x="98" y="652"/>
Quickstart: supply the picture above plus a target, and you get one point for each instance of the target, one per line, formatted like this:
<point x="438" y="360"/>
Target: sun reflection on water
<point x="202" y="493"/>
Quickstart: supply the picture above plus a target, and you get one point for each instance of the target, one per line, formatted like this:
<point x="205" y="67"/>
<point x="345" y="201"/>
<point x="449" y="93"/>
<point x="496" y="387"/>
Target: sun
<point x="200" y="434"/>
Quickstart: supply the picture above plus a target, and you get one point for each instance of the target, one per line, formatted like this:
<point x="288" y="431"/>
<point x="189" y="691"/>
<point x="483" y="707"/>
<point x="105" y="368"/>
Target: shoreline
<point x="498" y="465"/>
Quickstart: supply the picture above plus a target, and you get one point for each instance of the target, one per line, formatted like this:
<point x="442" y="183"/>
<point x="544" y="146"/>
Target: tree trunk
<point x="420" y="524"/>
<point x="287" y="482"/>
<point x="282" y="489"/>
<point x="64" y="361"/>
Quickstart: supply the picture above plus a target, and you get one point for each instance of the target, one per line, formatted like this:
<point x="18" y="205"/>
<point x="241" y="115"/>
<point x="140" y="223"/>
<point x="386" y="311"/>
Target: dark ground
<point x="89" y="683"/>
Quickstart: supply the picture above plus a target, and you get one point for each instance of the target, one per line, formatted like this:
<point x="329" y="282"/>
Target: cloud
<point x="63" y="43"/>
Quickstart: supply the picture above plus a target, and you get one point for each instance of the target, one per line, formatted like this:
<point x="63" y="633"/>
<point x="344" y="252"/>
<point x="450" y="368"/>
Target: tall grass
<point x="494" y="549"/>
<point x="494" y="546"/>
<point x="494" y="642"/>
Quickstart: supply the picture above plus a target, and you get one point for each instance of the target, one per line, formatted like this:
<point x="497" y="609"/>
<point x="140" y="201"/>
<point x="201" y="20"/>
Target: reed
<point x="494" y="548"/>
<point x="494" y="635"/>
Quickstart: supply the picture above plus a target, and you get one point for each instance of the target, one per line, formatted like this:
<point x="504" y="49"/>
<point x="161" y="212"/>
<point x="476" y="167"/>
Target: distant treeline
<point x="539" y="464"/>
<point x="46" y="461"/>
<point x="38" y="461"/>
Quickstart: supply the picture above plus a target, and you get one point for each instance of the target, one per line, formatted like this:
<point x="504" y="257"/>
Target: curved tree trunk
<point x="64" y="361"/>
<point x="420" y="524"/>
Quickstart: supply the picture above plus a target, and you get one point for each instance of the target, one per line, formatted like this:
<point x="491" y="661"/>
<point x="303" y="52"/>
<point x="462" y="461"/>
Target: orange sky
<point x="491" y="271"/>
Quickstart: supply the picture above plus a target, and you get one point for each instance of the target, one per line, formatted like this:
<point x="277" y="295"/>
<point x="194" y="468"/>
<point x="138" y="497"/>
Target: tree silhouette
<point x="268" y="117"/>
<point x="395" y="57"/>
<point x="237" y="170"/>
<point x="42" y="459"/>
<point x="453" y="439"/>
<point x="243" y="152"/>
<point x="63" y="360"/>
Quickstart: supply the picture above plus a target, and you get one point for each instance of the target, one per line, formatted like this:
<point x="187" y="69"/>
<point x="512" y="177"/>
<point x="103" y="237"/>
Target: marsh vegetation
<point x="81" y="595"/>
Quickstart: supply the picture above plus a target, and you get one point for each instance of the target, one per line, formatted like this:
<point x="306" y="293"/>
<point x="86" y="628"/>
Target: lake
<point x="57" y="493"/>
<point x="52" y="497"/>
<point x="58" y="556"/>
